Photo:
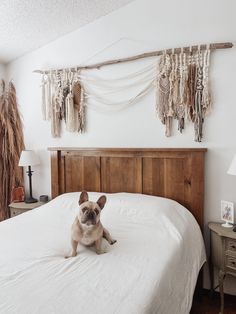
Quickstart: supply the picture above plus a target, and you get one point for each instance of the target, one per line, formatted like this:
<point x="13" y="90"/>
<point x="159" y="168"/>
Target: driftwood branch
<point x="141" y="56"/>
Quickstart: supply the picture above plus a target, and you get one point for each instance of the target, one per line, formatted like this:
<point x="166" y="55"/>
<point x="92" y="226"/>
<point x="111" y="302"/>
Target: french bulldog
<point x="87" y="228"/>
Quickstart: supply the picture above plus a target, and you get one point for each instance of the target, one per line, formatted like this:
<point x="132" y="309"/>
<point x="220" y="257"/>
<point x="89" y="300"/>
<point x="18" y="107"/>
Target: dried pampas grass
<point x="11" y="145"/>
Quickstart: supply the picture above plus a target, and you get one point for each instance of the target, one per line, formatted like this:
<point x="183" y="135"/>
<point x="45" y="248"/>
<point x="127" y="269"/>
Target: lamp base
<point x="227" y="225"/>
<point x="29" y="200"/>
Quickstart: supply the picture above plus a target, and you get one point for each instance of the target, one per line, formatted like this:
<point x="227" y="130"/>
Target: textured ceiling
<point x="26" y="25"/>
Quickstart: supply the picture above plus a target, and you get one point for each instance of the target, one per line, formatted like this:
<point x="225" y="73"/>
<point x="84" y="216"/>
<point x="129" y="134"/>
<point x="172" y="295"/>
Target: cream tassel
<point x="48" y="98"/>
<point x="70" y="113"/>
<point x="72" y="120"/>
<point x="43" y="86"/>
<point x="55" y="118"/>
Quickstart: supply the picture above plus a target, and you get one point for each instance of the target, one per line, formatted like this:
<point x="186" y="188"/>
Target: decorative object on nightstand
<point x="28" y="158"/>
<point x="222" y="255"/>
<point x="43" y="198"/>
<point x="227" y="213"/>
<point x="22" y="207"/>
<point x="18" y="194"/>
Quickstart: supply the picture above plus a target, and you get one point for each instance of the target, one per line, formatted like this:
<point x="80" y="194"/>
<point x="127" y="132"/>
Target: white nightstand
<point x="223" y="255"/>
<point x="22" y="207"/>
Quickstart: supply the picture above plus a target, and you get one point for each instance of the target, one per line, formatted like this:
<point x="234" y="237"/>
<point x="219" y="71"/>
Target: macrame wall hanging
<point x="183" y="89"/>
<point x="181" y="79"/>
<point x="62" y="99"/>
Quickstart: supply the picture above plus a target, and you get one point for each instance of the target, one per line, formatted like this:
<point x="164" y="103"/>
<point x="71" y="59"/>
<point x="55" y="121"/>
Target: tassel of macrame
<point x="56" y="108"/>
<point x="48" y="98"/>
<point x="76" y="90"/>
<point x="59" y="93"/>
<point x="72" y="118"/>
<point x="177" y="97"/>
<point x="171" y="112"/>
<point x="191" y="83"/>
<point x="159" y="107"/>
<point x="65" y="93"/>
<point x="198" y="122"/>
<point x="206" y="97"/>
<point x="182" y="91"/>
<point x="82" y="111"/>
<point x="70" y="113"/>
<point x="43" y="87"/>
<point x="163" y="89"/>
<point x="175" y="93"/>
<point x="55" y="118"/>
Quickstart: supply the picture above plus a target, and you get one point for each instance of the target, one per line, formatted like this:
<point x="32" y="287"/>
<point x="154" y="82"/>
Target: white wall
<point x="150" y="24"/>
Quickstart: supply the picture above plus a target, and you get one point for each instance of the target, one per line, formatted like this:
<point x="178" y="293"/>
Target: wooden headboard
<point x="173" y="173"/>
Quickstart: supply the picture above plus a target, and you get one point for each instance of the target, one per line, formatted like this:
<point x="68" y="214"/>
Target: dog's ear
<point x="102" y="201"/>
<point x="83" y="197"/>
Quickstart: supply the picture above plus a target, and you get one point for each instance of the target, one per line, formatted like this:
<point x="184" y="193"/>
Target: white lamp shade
<point x="232" y="167"/>
<point x="28" y="158"/>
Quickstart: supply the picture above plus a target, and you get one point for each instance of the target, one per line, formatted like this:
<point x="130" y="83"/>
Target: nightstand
<point x="222" y="256"/>
<point x="22" y="207"/>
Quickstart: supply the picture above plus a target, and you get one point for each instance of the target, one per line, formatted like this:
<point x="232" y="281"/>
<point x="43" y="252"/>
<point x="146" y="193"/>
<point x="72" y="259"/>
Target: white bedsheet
<point x="151" y="269"/>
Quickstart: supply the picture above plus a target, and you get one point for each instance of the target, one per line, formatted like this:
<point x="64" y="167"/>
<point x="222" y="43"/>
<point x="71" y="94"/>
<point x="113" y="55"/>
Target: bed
<point x="154" y="266"/>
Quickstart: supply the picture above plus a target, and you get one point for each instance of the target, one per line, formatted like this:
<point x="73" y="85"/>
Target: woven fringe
<point x="70" y="114"/>
<point x="163" y="99"/>
<point x="48" y="100"/>
<point x="55" y="119"/>
<point x="198" y="123"/>
<point x="82" y="112"/>
<point x="43" y="98"/>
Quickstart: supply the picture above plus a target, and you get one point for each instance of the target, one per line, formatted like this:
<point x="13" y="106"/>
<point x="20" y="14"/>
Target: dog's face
<point x="90" y="211"/>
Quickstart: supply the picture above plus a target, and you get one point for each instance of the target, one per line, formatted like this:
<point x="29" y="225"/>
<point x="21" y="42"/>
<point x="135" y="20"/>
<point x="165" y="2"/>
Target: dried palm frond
<point x="11" y="145"/>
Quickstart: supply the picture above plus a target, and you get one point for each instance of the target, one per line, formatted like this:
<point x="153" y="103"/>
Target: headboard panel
<point x="173" y="173"/>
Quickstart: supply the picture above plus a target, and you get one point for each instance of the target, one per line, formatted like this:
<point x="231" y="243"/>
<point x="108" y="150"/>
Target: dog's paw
<point x="112" y="242"/>
<point x="72" y="255"/>
<point x="101" y="252"/>
<point x="68" y="256"/>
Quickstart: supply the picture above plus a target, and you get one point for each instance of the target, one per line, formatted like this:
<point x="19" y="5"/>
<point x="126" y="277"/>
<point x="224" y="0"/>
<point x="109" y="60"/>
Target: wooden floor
<point x="206" y="305"/>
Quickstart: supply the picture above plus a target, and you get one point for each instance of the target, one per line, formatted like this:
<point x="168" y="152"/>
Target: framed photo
<point x="227" y="213"/>
<point x="18" y="194"/>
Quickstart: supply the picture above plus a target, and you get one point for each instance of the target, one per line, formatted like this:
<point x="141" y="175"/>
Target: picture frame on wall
<point x="227" y="213"/>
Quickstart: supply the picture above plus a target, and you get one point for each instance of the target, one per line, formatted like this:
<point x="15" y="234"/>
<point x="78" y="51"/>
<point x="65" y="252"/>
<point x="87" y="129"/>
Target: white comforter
<point x="152" y="268"/>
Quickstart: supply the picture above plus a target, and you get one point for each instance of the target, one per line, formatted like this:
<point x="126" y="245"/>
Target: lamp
<point x="232" y="167"/>
<point x="29" y="158"/>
